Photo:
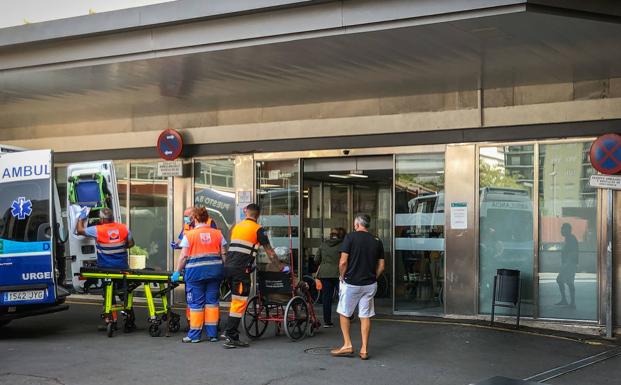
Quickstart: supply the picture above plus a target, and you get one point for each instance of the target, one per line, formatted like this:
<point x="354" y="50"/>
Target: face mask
<point x="187" y="220"/>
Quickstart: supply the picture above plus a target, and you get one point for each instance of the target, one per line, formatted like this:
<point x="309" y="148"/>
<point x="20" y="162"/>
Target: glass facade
<point x="278" y="189"/>
<point x="506" y="182"/>
<point x="148" y="212"/>
<point x="536" y="213"/>
<point x="566" y="283"/>
<point x="567" y="233"/>
<point x="419" y="233"/>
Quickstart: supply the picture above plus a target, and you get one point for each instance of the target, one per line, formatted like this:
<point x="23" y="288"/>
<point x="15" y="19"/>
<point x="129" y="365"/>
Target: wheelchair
<point x="279" y="301"/>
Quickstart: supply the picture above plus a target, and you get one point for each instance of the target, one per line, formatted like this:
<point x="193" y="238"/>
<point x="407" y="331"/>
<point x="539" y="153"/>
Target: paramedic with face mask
<point x="202" y="265"/>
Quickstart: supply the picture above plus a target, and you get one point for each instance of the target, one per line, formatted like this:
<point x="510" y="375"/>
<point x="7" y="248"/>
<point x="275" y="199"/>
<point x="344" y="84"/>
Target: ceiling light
<point x="357" y="174"/>
<point x="339" y="176"/>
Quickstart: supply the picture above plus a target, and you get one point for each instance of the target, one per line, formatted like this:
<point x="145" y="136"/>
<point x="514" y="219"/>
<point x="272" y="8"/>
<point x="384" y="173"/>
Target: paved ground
<point x="65" y="348"/>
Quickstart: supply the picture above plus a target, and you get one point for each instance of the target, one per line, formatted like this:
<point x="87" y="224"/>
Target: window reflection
<point x="148" y="212"/>
<point x="567" y="233"/>
<point x="277" y="195"/>
<point x="419" y="232"/>
<point x="506" y="180"/>
<point x="214" y="189"/>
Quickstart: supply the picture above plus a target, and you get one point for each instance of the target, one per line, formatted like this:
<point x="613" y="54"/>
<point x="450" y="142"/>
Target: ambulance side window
<point x="25" y="211"/>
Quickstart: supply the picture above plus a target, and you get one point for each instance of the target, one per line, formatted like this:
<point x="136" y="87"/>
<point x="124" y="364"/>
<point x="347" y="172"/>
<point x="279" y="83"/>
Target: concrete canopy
<point x="294" y="52"/>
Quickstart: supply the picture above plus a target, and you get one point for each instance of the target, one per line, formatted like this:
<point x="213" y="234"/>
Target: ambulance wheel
<point x="154" y="330"/>
<point x="110" y="329"/>
<point x="297" y="319"/>
<point x="252" y="322"/>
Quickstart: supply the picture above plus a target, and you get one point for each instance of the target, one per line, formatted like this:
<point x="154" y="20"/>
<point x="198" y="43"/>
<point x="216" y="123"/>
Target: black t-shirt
<point x="364" y="251"/>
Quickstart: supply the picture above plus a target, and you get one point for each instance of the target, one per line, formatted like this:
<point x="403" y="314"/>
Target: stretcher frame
<point x="129" y="281"/>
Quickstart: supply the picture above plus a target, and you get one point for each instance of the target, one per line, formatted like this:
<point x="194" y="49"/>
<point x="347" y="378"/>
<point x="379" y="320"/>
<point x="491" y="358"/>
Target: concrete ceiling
<point x="514" y="48"/>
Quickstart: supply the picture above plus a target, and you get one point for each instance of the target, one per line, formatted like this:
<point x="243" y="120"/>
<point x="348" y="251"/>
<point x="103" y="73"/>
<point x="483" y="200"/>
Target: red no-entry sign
<point x="605" y="154"/>
<point x="169" y="144"/>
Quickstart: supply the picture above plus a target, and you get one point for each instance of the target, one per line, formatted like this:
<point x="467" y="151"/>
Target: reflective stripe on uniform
<point x="203" y="263"/>
<point x="238" y="306"/>
<point x="212" y="314"/>
<point x="239" y="249"/>
<point x="243" y="242"/>
<point x="213" y="256"/>
<point x="196" y="319"/>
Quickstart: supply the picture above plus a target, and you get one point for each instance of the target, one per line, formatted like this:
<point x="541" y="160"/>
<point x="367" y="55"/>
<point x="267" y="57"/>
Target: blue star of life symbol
<point x="21" y="208"/>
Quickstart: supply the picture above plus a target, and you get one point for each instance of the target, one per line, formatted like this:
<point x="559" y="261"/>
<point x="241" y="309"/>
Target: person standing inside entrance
<point x="246" y="237"/>
<point x="201" y="261"/>
<point x="361" y="263"/>
<point x="328" y="258"/>
<point x="569" y="267"/>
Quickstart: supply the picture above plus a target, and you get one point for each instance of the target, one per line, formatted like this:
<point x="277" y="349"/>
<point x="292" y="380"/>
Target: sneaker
<point x="187" y="340"/>
<point x="561" y="303"/>
<point x="328" y="325"/>
<point x="214" y="339"/>
<point x="230" y="343"/>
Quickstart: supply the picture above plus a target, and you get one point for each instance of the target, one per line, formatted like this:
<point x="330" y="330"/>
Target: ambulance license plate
<point x="28" y="295"/>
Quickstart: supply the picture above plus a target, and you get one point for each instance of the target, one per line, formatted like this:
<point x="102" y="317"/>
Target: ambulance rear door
<point x="92" y="185"/>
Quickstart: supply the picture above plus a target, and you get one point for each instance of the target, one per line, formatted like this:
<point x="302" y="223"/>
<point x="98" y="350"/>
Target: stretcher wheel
<point x="130" y="322"/>
<point x="174" y="323"/>
<point x="296" y="319"/>
<point x="252" y="322"/>
<point x="154" y="330"/>
<point x="110" y="329"/>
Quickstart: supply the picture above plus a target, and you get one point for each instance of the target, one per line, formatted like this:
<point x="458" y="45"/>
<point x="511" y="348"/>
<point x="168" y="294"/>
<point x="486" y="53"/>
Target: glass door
<point x="278" y="192"/>
<point x="419" y="233"/>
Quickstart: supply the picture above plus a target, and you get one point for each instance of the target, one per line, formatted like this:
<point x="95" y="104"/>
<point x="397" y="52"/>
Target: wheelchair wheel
<point x="313" y="293"/>
<point x="297" y="319"/>
<point x="253" y="325"/>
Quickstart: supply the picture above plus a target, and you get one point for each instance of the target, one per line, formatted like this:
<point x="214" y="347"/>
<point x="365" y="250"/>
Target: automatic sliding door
<point x="278" y="196"/>
<point x="419" y="233"/>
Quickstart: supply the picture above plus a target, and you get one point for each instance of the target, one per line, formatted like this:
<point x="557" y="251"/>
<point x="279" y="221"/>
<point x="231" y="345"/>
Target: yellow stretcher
<point x="122" y="283"/>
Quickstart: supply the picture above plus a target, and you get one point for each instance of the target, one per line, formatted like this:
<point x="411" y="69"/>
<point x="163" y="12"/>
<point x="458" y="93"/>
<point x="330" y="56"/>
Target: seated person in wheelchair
<point x="281" y="265"/>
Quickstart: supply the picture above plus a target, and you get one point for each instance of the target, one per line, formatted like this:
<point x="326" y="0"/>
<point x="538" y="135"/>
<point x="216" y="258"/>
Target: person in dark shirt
<point x="569" y="266"/>
<point x="362" y="261"/>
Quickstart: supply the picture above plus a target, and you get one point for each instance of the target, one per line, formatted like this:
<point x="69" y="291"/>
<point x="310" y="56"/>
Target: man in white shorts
<point x="362" y="261"/>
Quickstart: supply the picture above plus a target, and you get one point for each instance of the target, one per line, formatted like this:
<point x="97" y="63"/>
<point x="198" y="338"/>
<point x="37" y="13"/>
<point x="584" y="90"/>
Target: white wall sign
<point x="174" y="168"/>
<point x="459" y="215"/>
<point x="244" y="197"/>
<point x="606" y="181"/>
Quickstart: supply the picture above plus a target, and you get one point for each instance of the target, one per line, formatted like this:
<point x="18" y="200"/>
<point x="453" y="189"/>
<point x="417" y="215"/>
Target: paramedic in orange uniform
<point x="246" y="237"/>
<point x="202" y="267"/>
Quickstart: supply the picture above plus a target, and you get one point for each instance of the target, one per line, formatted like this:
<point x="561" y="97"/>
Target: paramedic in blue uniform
<point x="201" y="262"/>
<point x="112" y="241"/>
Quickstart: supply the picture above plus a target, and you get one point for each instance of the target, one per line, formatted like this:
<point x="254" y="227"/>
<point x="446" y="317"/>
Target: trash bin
<point x="507" y="286"/>
<point x="507" y="291"/>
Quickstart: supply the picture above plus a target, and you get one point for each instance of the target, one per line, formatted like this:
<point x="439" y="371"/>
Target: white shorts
<point x="351" y="296"/>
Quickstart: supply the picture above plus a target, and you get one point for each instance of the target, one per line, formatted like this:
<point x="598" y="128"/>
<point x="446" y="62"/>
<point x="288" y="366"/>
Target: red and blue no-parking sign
<point x="169" y="144"/>
<point x="606" y="154"/>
